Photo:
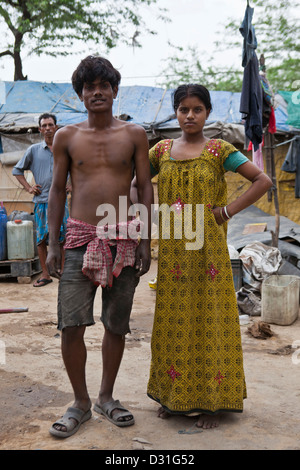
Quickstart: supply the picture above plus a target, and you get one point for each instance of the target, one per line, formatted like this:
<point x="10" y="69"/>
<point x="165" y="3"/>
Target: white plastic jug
<point x="280" y="299"/>
<point x="20" y="239"/>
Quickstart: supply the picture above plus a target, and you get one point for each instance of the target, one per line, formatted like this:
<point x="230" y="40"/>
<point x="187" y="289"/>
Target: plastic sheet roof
<point x="150" y="107"/>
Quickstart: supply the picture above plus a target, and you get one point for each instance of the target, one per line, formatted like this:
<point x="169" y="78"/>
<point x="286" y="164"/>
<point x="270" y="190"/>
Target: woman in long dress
<point x="197" y="360"/>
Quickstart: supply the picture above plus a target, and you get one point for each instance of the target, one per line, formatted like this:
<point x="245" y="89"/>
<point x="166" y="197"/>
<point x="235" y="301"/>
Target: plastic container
<point x="237" y="272"/>
<point x="280" y="299"/>
<point x="23" y="215"/>
<point x="20" y="239"/>
<point x="3" y="235"/>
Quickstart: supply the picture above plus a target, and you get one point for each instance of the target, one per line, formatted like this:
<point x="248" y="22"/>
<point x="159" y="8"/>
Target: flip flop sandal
<point x="107" y="410"/>
<point x="42" y="282"/>
<point x="67" y="421"/>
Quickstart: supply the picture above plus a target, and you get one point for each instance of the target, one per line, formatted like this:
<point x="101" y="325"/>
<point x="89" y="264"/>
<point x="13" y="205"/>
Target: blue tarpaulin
<point x="151" y="107"/>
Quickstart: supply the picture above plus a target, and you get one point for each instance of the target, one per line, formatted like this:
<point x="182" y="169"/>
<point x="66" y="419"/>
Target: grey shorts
<point x="76" y="295"/>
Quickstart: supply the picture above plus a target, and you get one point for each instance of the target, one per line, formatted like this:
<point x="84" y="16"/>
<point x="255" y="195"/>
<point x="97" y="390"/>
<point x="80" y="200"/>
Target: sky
<point x="193" y="22"/>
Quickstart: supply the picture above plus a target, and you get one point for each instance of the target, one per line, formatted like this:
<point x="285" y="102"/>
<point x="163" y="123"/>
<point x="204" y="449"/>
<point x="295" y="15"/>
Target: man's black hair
<point x="47" y="116"/>
<point x="92" y="68"/>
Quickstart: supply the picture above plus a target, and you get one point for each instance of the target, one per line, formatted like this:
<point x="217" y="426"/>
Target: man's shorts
<point x="76" y="295"/>
<point x="41" y="223"/>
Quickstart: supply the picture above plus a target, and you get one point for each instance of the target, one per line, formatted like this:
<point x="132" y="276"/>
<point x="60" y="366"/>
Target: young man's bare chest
<point x="91" y="150"/>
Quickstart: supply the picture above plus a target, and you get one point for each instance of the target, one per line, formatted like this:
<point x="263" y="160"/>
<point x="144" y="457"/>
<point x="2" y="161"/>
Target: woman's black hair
<point x="191" y="89"/>
<point x="91" y="68"/>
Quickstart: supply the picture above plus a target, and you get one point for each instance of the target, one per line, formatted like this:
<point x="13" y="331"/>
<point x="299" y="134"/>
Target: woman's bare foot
<point x="162" y="413"/>
<point x="208" y="421"/>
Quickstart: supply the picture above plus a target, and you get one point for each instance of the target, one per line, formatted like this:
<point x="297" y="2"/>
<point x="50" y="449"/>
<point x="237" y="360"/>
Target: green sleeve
<point x="234" y="160"/>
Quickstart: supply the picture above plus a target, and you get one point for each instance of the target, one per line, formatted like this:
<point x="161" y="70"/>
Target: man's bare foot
<point x="208" y="421"/>
<point x="162" y="413"/>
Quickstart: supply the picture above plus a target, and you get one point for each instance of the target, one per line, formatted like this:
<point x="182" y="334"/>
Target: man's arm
<point x="35" y="189"/>
<point x="145" y="198"/>
<point x="18" y="172"/>
<point x="57" y="200"/>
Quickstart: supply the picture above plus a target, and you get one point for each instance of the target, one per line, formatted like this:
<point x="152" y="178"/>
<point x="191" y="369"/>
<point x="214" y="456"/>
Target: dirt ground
<point x="35" y="389"/>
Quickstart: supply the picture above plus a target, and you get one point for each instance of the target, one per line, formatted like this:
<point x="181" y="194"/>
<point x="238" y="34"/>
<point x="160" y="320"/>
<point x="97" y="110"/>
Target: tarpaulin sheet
<point x="150" y="107"/>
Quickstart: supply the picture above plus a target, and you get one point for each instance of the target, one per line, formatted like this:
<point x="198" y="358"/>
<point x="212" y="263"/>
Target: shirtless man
<point x="100" y="154"/>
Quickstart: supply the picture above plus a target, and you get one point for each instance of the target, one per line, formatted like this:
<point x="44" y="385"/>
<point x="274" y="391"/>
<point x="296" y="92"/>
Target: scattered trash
<point x="153" y="283"/>
<point x="249" y="302"/>
<point x="260" y="330"/>
<point x="259" y="262"/>
<point x="192" y="430"/>
<point x="233" y="253"/>
<point x="284" y="351"/>
<point x="255" y="228"/>
<point x="141" y="440"/>
<point x="244" y="319"/>
<point x="141" y="444"/>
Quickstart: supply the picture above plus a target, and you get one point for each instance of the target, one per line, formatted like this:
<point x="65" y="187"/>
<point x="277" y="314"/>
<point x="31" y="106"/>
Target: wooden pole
<point x="271" y="171"/>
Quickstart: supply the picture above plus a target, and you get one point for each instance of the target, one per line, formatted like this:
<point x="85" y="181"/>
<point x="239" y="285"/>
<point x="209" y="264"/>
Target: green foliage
<point x="52" y="26"/>
<point x="278" y="39"/>
<point x="186" y="66"/>
<point x="278" y="36"/>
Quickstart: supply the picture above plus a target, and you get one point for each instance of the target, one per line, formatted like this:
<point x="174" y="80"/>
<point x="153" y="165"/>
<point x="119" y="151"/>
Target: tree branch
<point x="7" y="19"/>
<point x="6" y="53"/>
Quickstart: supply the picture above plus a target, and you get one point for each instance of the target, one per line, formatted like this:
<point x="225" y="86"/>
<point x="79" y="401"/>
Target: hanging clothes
<point x="257" y="156"/>
<point x="248" y="33"/>
<point x="252" y="97"/>
<point x="272" y="122"/>
<point x="291" y="163"/>
<point x="268" y="113"/>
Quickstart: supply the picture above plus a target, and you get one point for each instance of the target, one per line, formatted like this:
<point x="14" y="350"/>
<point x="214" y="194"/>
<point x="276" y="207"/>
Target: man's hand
<point x="35" y="189"/>
<point x="53" y="261"/>
<point x="143" y="257"/>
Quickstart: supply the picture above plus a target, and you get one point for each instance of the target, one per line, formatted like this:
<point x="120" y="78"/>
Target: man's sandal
<point x="71" y="420"/>
<point x="120" y="417"/>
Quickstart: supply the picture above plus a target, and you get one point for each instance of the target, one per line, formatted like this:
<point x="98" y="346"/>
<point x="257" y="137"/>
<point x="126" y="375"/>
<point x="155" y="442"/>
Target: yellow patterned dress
<point x="197" y="361"/>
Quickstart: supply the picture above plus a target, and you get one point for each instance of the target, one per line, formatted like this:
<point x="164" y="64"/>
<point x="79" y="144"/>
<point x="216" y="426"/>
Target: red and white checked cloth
<point x="98" y="263"/>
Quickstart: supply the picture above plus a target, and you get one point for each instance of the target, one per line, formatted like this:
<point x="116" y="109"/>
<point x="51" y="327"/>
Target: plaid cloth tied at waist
<point x="98" y="263"/>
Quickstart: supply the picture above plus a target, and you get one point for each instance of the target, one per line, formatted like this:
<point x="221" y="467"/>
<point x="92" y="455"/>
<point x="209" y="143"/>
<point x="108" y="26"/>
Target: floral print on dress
<point x="178" y="205"/>
<point x="176" y="271"/>
<point x="162" y="147"/>
<point x="219" y="377"/>
<point x="212" y="271"/>
<point x="214" y="147"/>
<point x="173" y="374"/>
